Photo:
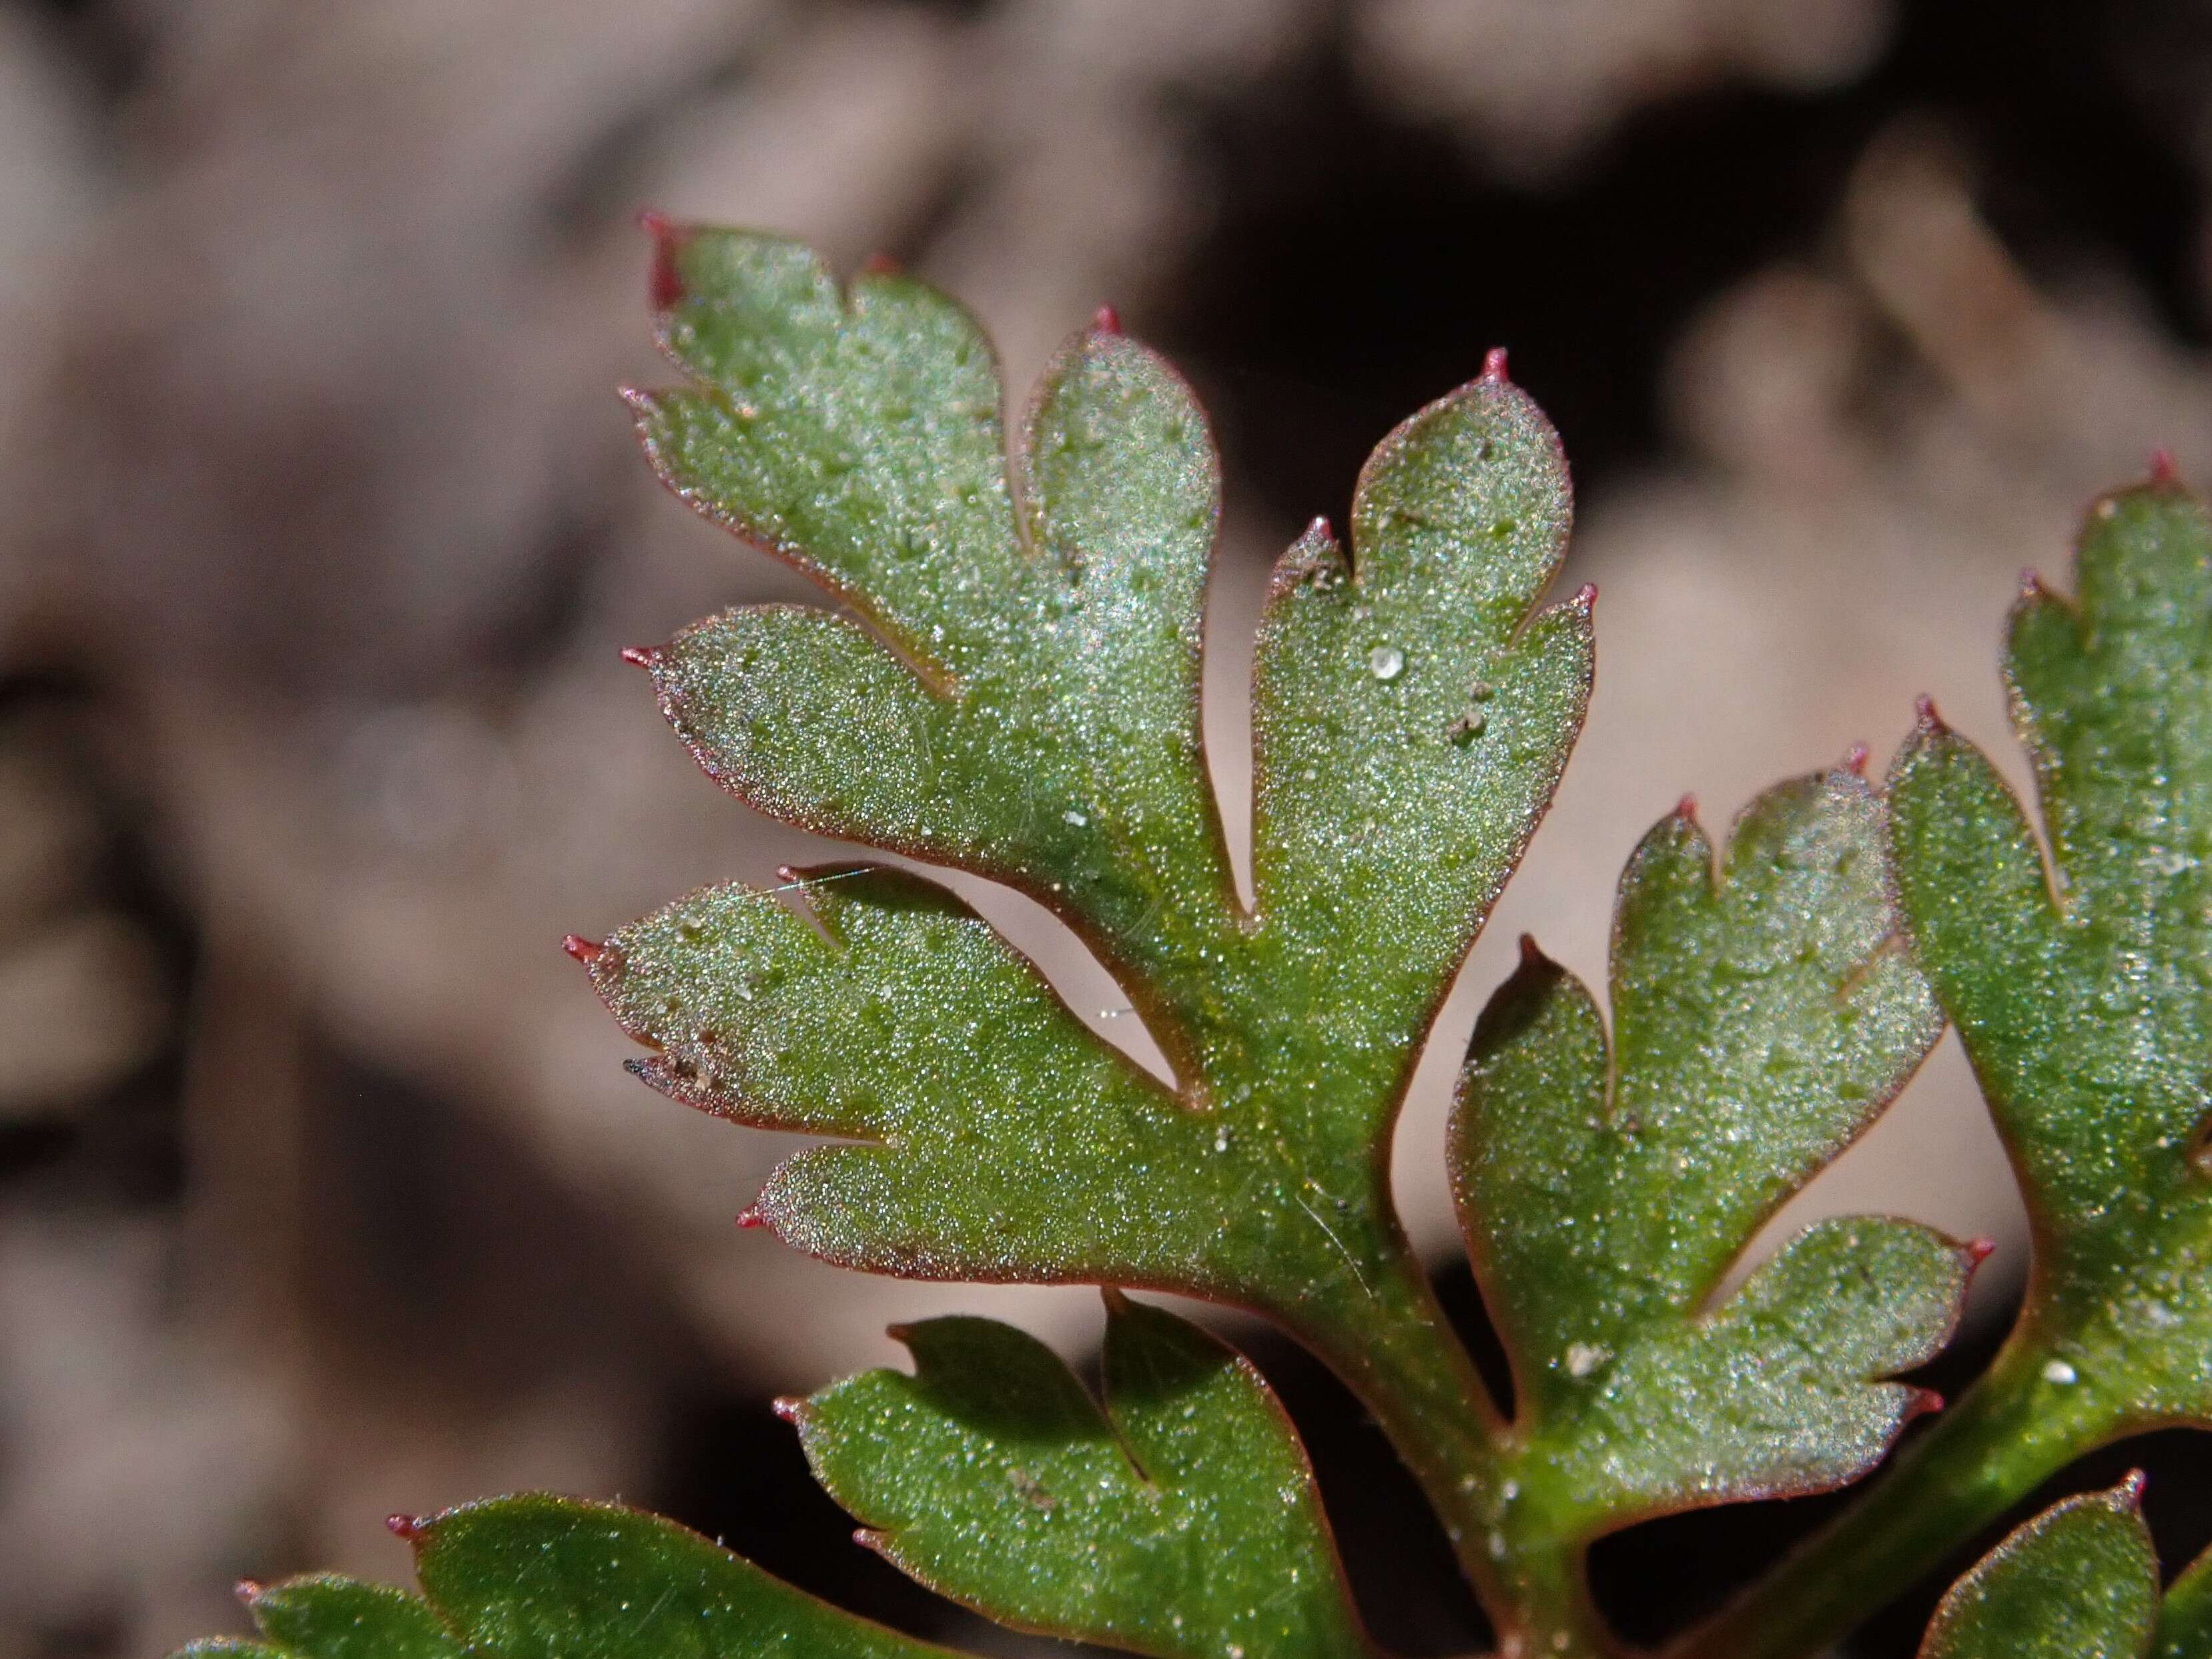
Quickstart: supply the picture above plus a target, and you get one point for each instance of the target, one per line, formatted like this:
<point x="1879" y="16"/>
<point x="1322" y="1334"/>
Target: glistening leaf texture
<point x="2078" y="1581"/>
<point x="1763" y="1012"/>
<point x="1009" y="683"/>
<point x="2081" y="991"/>
<point x="1016" y="692"/>
<point x="1180" y="1521"/>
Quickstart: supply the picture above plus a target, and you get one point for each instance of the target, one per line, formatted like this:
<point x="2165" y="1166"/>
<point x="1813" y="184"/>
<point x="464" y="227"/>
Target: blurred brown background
<point x="321" y="1192"/>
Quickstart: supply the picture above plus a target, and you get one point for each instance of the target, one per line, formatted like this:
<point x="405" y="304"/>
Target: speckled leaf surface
<point x="1411" y="712"/>
<point x="1016" y="693"/>
<point x="1763" y="1015"/>
<point x="542" y="1577"/>
<point x="2081" y="991"/>
<point x="1027" y="703"/>
<point x="1181" y="1520"/>
<point x="2078" y="1581"/>
<point x="1002" y="1139"/>
<point x="328" y="1617"/>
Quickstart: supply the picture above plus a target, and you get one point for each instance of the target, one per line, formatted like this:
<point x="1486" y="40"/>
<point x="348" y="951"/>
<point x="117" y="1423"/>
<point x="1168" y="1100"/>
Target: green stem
<point x="1981" y="1457"/>
<point x="1398" y="1352"/>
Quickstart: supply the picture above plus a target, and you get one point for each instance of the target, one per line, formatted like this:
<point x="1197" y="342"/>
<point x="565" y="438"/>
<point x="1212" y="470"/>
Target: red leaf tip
<point x="2163" y="472"/>
<point x="582" y="949"/>
<point x="788" y="1407"/>
<point x="1585" y="596"/>
<point x="751" y="1217"/>
<point x="1686" y="809"/>
<point x="247" y="1590"/>
<point x="1493" y="366"/>
<point x="639" y="656"/>
<point x="406" y="1528"/>
<point x="666" y="286"/>
<point x="881" y="265"/>
<point x="1107" y="321"/>
<point x="1531" y="955"/>
<point x="1855" y="760"/>
<point x="1923" y="707"/>
<point x="1924" y="1402"/>
<point x="2130" y="1489"/>
<point x="1979" y="1250"/>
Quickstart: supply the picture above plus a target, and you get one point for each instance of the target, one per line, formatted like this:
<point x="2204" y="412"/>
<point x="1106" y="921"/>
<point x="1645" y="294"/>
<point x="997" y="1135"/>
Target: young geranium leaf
<point x="542" y="1577"/>
<point x="1018" y="696"/>
<point x="2078" y="1581"/>
<point x="1763" y="1015"/>
<point x="2081" y="997"/>
<point x="1181" y="1520"/>
<point x="1008" y="1141"/>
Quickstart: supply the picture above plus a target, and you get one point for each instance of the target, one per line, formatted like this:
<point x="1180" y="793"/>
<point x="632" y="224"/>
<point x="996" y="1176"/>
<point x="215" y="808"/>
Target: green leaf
<point x="1017" y="694"/>
<point x="1763" y="1016"/>
<point x="2081" y="998"/>
<point x="2078" y="1581"/>
<point x="1410" y="722"/>
<point x="858" y="435"/>
<point x="1181" y="1520"/>
<point x="2185" y="1617"/>
<point x="542" y="1577"/>
<point x="1007" y="1140"/>
<point x="1020" y="697"/>
<point x="325" y="1616"/>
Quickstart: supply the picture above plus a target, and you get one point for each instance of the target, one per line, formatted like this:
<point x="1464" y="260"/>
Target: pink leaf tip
<point x="1924" y="707"/>
<point x="247" y="1590"/>
<point x="2130" y="1489"/>
<point x="1686" y="809"/>
<point x="582" y="949"/>
<point x="1924" y="1402"/>
<point x="881" y="265"/>
<point x="639" y="656"/>
<point x="1585" y="596"/>
<point x="406" y="1528"/>
<point x="2163" y="471"/>
<point x="1855" y="759"/>
<point x="1493" y="366"/>
<point x="788" y="1407"/>
<point x="1107" y="321"/>
<point x="666" y="286"/>
<point x="1979" y="1250"/>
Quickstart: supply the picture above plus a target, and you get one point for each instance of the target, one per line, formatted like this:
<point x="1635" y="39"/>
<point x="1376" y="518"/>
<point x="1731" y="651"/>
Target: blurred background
<point x="322" y="1194"/>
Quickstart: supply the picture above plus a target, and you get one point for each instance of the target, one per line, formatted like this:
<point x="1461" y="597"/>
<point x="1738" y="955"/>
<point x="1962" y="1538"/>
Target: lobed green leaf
<point x="2081" y="995"/>
<point x="1002" y="1140"/>
<point x="1411" y="717"/>
<point x="858" y="434"/>
<point x="1763" y="1016"/>
<point x="1180" y="1521"/>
